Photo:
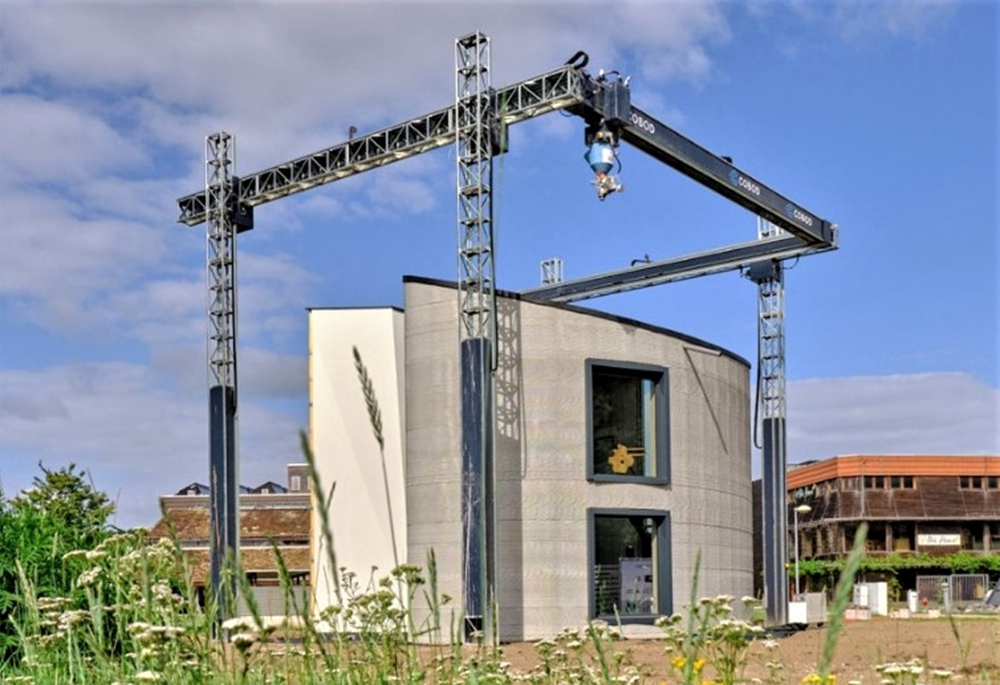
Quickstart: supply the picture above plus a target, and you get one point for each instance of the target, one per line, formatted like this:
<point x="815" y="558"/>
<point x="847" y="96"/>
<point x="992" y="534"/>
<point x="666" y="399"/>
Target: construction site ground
<point x="968" y="646"/>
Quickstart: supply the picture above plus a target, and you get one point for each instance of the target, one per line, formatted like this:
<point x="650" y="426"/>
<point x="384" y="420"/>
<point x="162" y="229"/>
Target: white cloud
<point x="935" y="413"/>
<point x="138" y="436"/>
<point x="903" y="18"/>
<point x="53" y="141"/>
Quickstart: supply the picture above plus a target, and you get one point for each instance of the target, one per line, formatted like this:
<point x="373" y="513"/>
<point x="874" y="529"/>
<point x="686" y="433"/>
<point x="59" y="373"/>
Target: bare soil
<point x="972" y="647"/>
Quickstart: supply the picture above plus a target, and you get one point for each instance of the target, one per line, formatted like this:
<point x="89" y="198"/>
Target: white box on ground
<point x="797" y="613"/>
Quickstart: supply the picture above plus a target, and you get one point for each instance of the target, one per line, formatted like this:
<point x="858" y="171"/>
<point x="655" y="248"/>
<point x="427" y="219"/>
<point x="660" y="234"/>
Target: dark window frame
<point x="660" y="375"/>
<point x="664" y="569"/>
<point x="971" y="482"/>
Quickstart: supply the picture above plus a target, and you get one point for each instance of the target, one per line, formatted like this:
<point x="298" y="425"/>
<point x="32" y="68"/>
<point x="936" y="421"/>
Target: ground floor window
<point x="630" y="577"/>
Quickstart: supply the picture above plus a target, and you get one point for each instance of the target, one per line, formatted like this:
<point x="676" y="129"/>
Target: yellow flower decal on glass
<point x="620" y="460"/>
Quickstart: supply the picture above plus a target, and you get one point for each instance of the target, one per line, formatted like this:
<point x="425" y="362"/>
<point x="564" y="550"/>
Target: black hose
<point x="579" y="60"/>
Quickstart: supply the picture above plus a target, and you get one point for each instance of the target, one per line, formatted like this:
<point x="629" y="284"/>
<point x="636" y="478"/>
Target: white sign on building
<point x="939" y="539"/>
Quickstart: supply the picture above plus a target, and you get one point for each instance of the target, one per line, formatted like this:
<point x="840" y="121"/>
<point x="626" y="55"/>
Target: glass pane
<point x="624" y="427"/>
<point x="625" y="565"/>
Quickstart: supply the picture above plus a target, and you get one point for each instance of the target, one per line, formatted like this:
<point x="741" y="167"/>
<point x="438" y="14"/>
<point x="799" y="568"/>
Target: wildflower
<point x="243" y="641"/>
<point x="817" y="679"/>
<point x="147" y="676"/>
<point x="239" y="623"/>
<point x="70" y="618"/>
<point x="51" y="603"/>
<point x="88" y="577"/>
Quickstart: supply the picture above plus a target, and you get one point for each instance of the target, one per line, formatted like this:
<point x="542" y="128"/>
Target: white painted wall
<point x="347" y="453"/>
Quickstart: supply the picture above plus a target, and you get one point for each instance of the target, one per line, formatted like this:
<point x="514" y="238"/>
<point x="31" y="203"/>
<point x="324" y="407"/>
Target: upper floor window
<point x="993" y="482"/>
<point x="970" y="482"/>
<point x="875" y="482"/>
<point x="901" y="482"/>
<point x="627" y="422"/>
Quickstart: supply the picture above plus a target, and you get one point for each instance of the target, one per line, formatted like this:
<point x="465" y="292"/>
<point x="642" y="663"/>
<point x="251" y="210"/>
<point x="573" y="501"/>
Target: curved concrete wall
<point x="541" y="451"/>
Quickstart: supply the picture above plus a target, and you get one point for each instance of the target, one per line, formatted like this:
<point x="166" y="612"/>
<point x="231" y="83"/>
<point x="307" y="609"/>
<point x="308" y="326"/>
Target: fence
<point x="962" y="588"/>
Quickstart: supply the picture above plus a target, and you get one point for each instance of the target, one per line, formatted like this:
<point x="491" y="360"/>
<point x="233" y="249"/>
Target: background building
<point x="913" y="504"/>
<point x="272" y="516"/>
<point x="622" y="456"/>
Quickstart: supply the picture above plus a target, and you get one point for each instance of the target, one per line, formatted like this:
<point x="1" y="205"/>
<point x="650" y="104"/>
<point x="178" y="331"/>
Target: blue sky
<point x="879" y="116"/>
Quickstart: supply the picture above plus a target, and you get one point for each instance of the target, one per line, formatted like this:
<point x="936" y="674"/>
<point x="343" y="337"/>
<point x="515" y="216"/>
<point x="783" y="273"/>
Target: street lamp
<point x="801" y="509"/>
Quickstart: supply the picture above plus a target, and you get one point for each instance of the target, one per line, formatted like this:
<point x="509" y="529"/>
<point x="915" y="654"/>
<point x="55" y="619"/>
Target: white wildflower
<point x="242" y="640"/>
<point x="245" y="623"/>
<point x="88" y="577"/>
<point x="71" y="618"/>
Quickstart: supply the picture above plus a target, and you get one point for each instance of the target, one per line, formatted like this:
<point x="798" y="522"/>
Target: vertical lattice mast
<point x="475" y="124"/>
<point x="220" y="189"/>
<point x="475" y="119"/>
<point x="771" y="379"/>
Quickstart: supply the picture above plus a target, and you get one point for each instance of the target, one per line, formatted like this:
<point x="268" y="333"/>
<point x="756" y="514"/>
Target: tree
<point x="61" y="512"/>
<point x="67" y="500"/>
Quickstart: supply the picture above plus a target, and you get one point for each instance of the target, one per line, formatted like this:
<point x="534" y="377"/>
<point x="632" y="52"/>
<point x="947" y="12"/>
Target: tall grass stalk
<point x="841" y="598"/>
<point x="322" y="502"/>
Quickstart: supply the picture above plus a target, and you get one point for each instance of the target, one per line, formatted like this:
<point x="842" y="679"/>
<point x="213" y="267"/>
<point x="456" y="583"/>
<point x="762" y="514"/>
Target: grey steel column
<point x="225" y="220"/>
<point x="769" y="277"/>
<point x="476" y="142"/>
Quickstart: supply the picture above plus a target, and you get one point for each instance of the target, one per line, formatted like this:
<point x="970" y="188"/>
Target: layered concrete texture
<point x="544" y="490"/>
<point x="367" y="513"/>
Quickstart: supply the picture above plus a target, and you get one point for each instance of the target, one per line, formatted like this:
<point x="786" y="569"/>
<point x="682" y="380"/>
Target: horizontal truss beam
<point x="676" y="269"/>
<point x="554" y="90"/>
<point x="670" y="147"/>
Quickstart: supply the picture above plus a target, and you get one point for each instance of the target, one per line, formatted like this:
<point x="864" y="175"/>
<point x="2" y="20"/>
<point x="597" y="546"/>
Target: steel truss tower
<point x="220" y="184"/>
<point x="770" y="281"/>
<point x="225" y="218"/>
<point x="476" y="141"/>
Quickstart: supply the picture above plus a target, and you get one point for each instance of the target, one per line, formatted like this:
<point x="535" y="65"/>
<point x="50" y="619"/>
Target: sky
<point x="881" y="117"/>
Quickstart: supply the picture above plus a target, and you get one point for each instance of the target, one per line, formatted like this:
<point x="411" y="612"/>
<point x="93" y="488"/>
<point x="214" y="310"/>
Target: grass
<point x="138" y="621"/>
<point x="137" y="626"/>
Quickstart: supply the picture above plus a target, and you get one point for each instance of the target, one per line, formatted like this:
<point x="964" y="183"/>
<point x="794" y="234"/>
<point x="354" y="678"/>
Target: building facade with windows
<point x="273" y="517"/>
<point x="911" y="503"/>
<point x="622" y="457"/>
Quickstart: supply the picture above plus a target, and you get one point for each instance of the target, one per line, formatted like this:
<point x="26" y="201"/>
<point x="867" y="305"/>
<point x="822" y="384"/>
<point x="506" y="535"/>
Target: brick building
<point x="913" y="504"/>
<point x="271" y="516"/>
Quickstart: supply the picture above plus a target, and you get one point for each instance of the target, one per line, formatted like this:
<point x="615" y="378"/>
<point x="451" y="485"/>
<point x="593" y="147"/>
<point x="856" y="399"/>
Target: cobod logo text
<point x="793" y="212"/>
<point x="743" y="182"/>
